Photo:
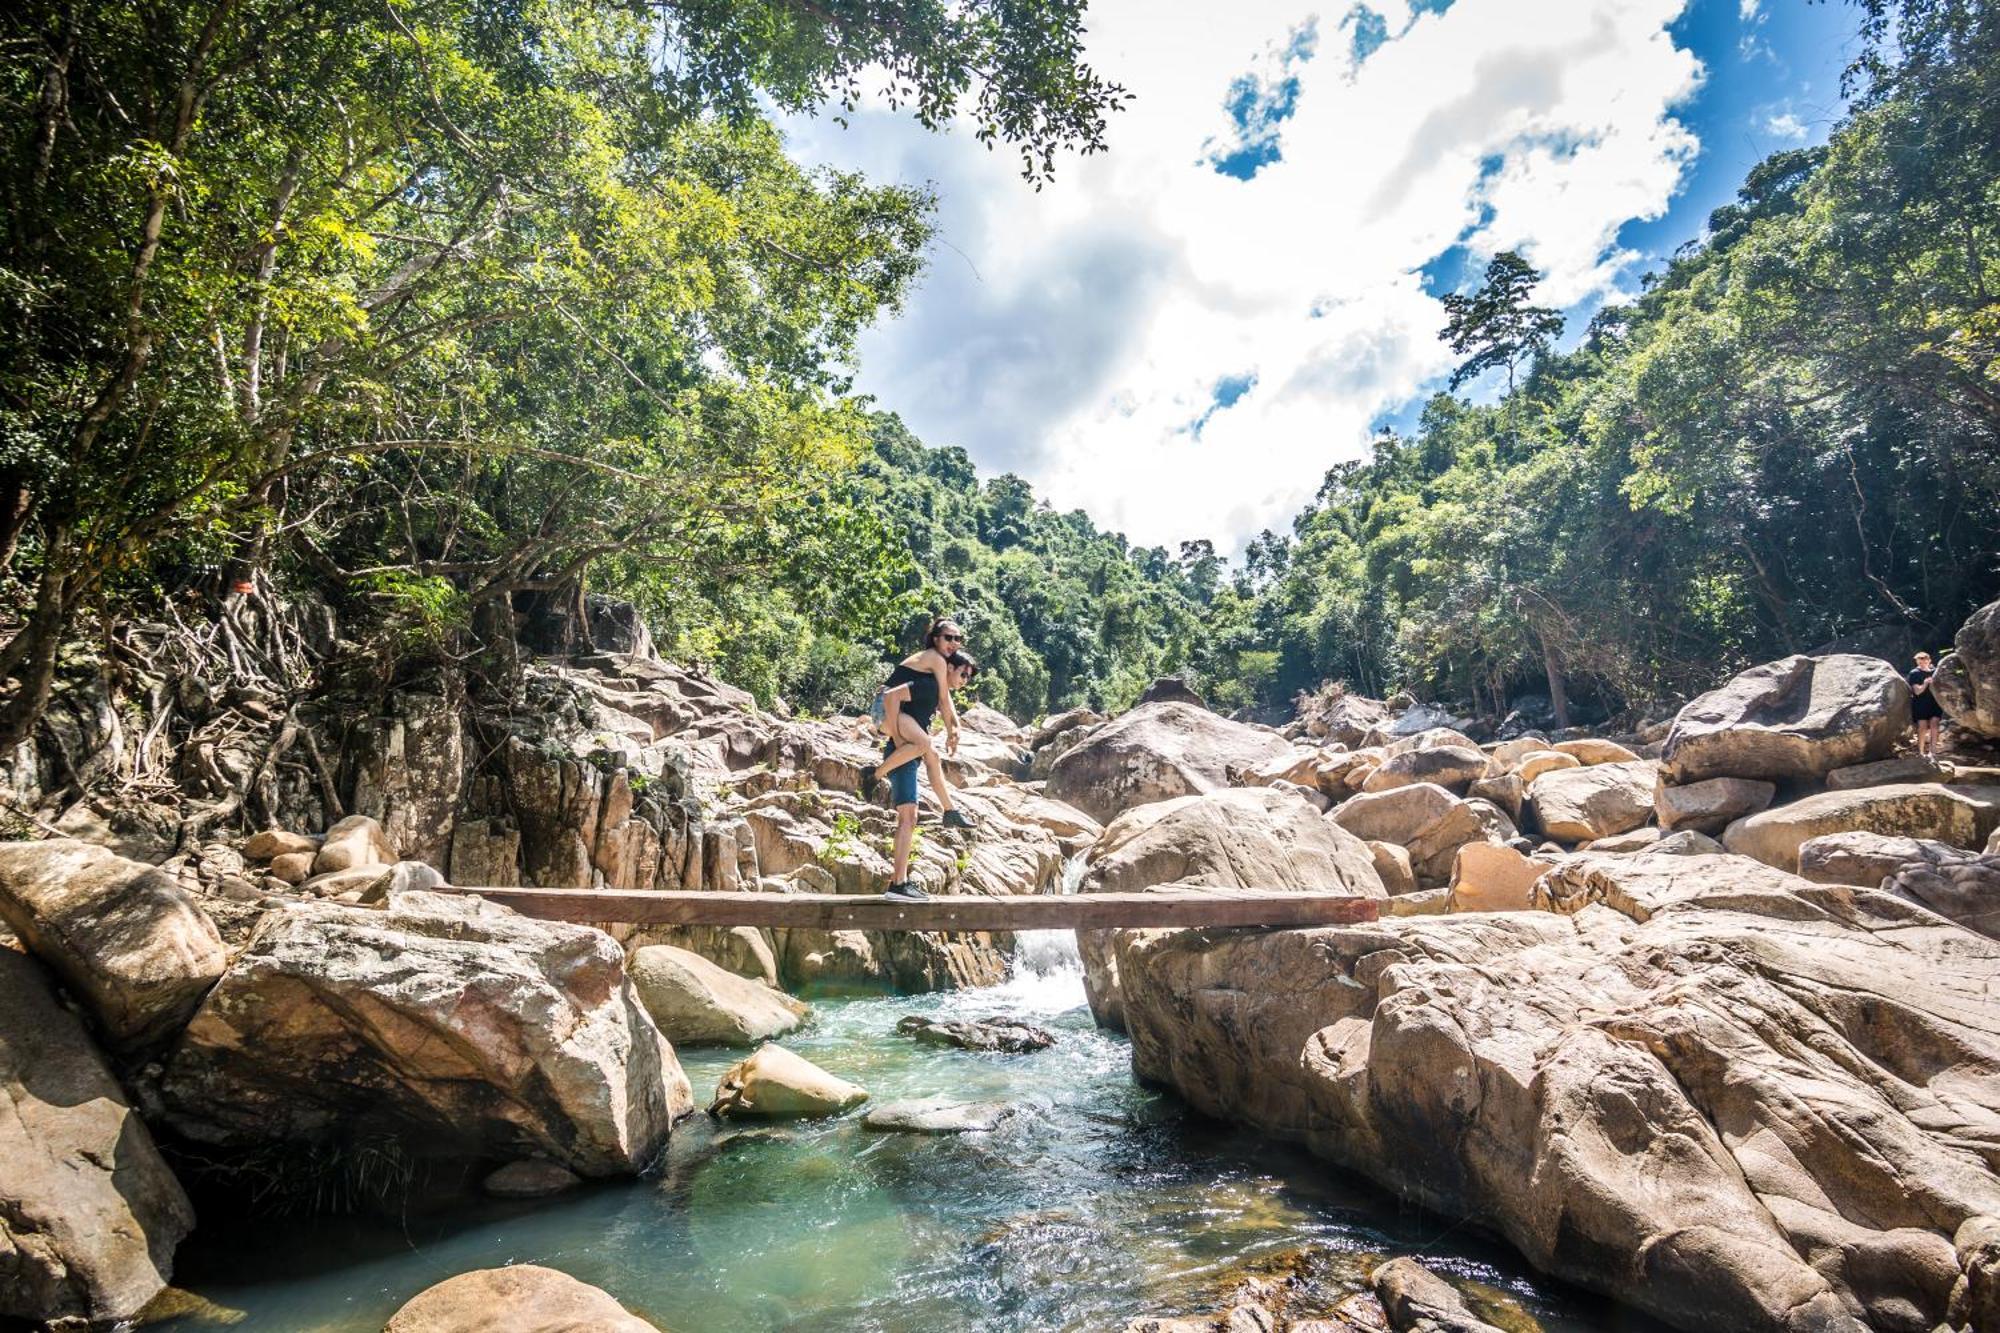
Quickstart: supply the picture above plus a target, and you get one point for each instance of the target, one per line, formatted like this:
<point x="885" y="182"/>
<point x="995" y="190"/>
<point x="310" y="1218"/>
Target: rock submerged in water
<point x="1697" y="1087"/>
<point x="521" y="1298"/>
<point x="89" y="1213"/>
<point x="529" y="1180"/>
<point x="939" y="1115"/>
<point x="1007" y="1035"/>
<point x="454" y="1027"/>
<point x="1419" y="1300"/>
<point x="777" y="1084"/>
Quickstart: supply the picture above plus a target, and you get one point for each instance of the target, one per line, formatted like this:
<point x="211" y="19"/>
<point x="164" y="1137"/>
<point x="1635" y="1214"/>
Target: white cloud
<point x="1072" y="335"/>
<point x="1786" y="126"/>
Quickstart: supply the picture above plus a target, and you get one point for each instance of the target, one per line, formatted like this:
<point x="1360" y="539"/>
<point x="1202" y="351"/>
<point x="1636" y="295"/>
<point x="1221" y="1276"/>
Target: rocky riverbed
<point x="1703" y="1017"/>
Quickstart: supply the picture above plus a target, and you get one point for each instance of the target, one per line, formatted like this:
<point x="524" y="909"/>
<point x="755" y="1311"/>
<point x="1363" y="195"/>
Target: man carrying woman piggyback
<point x="919" y="688"/>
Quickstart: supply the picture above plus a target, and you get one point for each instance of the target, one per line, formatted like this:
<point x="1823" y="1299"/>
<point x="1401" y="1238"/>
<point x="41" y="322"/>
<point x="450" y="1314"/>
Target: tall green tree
<point x="450" y="298"/>
<point x="1496" y="326"/>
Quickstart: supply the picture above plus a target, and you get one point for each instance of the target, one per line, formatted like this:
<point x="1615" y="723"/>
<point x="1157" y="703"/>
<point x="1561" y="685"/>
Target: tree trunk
<point x="17" y="502"/>
<point x="30" y="657"/>
<point x="1558" y="696"/>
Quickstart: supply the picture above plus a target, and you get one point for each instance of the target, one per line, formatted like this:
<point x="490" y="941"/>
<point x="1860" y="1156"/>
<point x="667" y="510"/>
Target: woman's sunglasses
<point x="952" y="638"/>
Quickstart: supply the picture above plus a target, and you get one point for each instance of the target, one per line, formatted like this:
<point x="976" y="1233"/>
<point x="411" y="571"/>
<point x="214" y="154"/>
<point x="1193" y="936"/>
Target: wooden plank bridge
<point x="1176" y="908"/>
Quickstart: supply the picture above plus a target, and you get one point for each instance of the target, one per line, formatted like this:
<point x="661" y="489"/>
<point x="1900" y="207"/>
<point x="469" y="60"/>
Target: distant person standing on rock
<point x="1924" y="710"/>
<point x="919" y="687"/>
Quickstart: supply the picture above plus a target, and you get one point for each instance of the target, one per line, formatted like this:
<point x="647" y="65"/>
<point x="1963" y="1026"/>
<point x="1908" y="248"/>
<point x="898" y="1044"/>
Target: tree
<point x="1020" y="61"/>
<point x="1495" y="325"/>
<point x="491" y="272"/>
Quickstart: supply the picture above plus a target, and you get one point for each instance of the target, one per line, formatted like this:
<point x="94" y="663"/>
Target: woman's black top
<point x="1923" y="706"/>
<point x="923" y="693"/>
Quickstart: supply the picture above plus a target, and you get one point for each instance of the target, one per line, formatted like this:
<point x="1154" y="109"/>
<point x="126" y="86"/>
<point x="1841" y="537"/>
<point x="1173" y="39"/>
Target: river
<point x="1107" y="1201"/>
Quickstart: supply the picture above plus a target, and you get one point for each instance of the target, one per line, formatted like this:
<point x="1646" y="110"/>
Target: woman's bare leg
<point x="939" y="787"/>
<point x="914" y="742"/>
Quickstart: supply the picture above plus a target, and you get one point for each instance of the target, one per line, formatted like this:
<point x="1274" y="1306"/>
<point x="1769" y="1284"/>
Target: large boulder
<point x="1172" y="690"/>
<point x="1793" y="720"/>
<point x="1711" y="805"/>
<point x="1962" y="888"/>
<point x="1345" y="720"/>
<point x="521" y="1298"/>
<point x="89" y="1214"/>
<point x="697" y="1003"/>
<point x="354" y="843"/>
<point x="1532" y="765"/>
<point x="1958" y="816"/>
<point x="1592" y="801"/>
<point x="1453" y="767"/>
<point x="1241" y="837"/>
<point x="1595" y="750"/>
<point x="1157" y="752"/>
<point x="1435" y="849"/>
<point x="1709" y="1089"/>
<point x="127" y="940"/>
<point x="776" y="1084"/>
<point x="455" y="1027"/>
<point x="1884" y="772"/>
<point x="1866" y="859"/>
<point x="1493" y="877"/>
<point x="1967" y="683"/>
<point x="1397" y="815"/>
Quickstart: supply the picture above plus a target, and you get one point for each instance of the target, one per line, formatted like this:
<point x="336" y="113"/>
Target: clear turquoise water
<point x="1109" y="1201"/>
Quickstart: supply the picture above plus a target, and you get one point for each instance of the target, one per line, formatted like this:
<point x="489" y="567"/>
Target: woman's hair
<point x="964" y="661"/>
<point x="939" y="626"/>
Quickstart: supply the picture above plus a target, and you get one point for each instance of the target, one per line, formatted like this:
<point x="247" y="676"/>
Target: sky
<point x="1182" y="334"/>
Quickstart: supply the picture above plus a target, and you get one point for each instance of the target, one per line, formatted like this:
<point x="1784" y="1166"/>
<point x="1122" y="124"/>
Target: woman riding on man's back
<point x="919" y="687"/>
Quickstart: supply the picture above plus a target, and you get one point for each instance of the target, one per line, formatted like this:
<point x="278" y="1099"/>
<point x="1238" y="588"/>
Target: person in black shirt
<point x="919" y="687"/>
<point x="1924" y="710"/>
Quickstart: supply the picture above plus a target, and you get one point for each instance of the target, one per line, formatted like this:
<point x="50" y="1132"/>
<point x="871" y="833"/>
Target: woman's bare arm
<point x="942" y="670"/>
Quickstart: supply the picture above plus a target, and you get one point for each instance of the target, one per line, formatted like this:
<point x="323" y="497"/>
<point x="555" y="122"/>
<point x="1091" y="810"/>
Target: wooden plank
<point x="959" y="912"/>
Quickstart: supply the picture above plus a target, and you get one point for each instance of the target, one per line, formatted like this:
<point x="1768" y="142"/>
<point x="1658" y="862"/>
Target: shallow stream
<point x="1107" y="1202"/>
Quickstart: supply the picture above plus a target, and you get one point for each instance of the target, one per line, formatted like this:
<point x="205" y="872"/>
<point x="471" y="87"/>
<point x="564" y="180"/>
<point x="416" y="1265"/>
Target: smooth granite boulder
<point x="1710" y="1089"/>
<point x="89" y="1213"/>
<point x="128" y="941"/>
<point x="1157" y="752"/>
<point x="457" y="1028"/>
<point x="1793" y="720"/>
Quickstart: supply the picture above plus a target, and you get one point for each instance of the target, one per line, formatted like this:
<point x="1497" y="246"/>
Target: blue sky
<point x="1180" y="335"/>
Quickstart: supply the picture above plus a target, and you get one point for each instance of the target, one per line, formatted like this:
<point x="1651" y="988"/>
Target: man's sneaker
<point x="907" y="892"/>
<point x="956" y="819"/>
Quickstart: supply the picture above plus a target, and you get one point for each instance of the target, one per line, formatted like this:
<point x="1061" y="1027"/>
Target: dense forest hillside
<point x="444" y="316"/>
<point x="1791" y="436"/>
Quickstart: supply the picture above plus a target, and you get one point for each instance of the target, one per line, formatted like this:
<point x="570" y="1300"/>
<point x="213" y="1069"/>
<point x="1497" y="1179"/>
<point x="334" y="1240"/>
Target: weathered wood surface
<point x="829" y="911"/>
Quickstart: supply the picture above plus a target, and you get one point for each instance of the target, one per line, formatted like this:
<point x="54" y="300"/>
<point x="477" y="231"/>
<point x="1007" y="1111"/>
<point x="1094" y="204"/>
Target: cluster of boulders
<point x="327" y="991"/>
<point x="1703" y="1017"/>
<point x="429" y="1026"/>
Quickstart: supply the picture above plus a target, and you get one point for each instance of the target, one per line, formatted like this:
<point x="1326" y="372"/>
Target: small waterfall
<point x="1048" y="953"/>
